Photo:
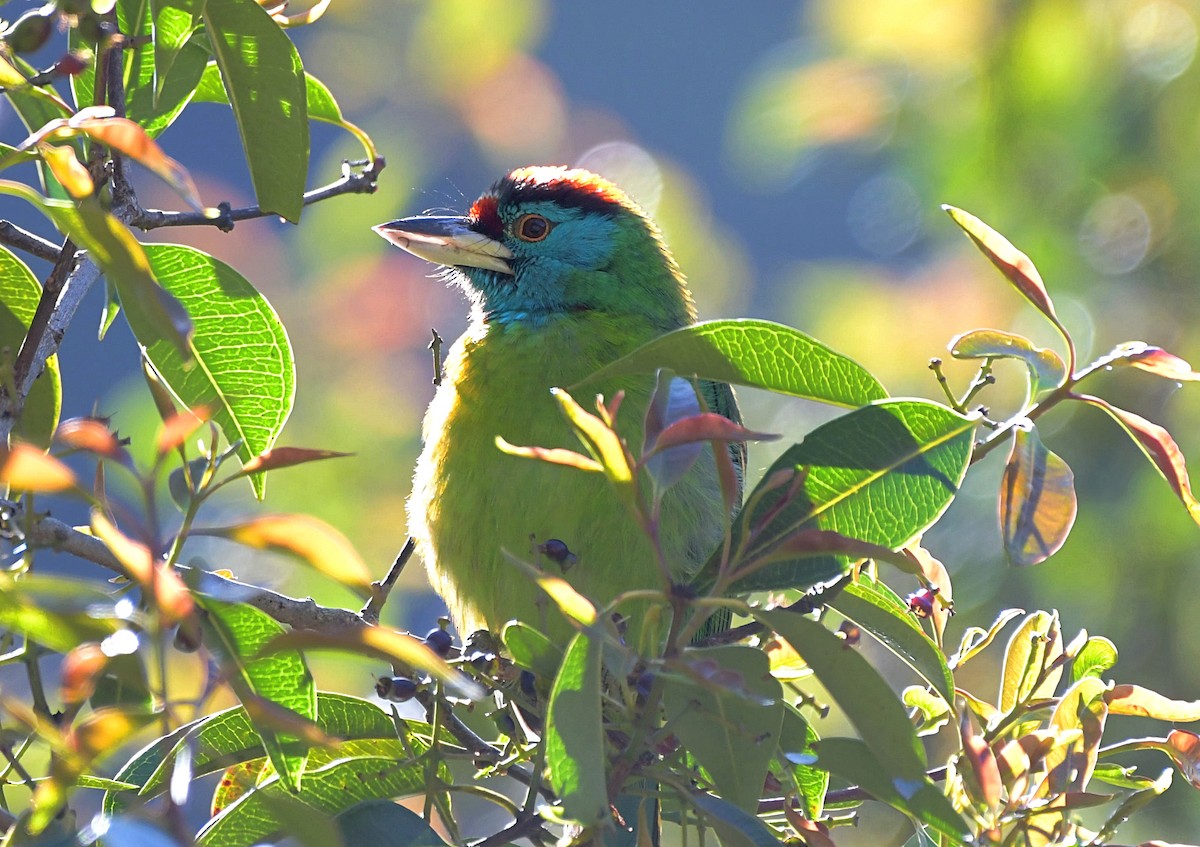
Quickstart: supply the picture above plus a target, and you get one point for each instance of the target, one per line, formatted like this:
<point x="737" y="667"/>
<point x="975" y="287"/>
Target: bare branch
<point x="381" y="589"/>
<point x="350" y="182"/>
<point x="25" y="241"/>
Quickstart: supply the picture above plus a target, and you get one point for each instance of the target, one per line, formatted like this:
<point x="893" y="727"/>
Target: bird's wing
<point x="718" y="396"/>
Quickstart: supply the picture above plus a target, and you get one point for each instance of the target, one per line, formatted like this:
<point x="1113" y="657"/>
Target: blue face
<point x="559" y="257"/>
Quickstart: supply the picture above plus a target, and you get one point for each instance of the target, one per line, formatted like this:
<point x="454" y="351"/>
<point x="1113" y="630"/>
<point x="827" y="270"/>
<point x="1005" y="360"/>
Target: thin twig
<point x="25" y="241"/>
<point x="381" y="589"/>
<point x="525" y="826"/>
<point x="351" y="182"/>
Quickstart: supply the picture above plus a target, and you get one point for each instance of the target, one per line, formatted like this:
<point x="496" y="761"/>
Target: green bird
<point x="564" y="274"/>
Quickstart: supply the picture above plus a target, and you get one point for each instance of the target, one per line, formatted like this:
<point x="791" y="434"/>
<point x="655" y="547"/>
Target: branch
<point x="27" y="242"/>
<point x="351" y="182"/>
<point x="44" y="532"/>
<point x="381" y="589"/>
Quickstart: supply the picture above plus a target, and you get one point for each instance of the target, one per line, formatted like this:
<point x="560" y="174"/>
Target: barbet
<point x="564" y="274"/>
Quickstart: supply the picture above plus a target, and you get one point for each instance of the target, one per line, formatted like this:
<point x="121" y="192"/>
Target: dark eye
<point x="532" y="227"/>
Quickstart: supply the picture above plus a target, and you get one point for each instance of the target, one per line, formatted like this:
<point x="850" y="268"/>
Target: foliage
<point x="708" y="732"/>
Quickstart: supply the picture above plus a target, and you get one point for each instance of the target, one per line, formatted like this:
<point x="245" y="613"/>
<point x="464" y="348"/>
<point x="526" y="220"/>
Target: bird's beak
<point x="447" y="241"/>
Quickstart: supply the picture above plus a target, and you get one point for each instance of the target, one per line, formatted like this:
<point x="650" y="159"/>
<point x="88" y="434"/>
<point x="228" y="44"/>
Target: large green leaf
<point x="243" y="372"/>
<point x="732" y="730"/>
<point x="264" y="81"/>
<point x="19" y="295"/>
<point x="881" y="474"/>
<point x="236" y="633"/>
<point x="735" y="827"/>
<point x="384" y="822"/>
<point x="574" y="733"/>
<point x="863" y="695"/>
<point x="229" y="738"/>
<point x="796" y="737"/>
<point x="334" y="781"/>
<point x="852" y="760"/>
<point x="760" y="354"/>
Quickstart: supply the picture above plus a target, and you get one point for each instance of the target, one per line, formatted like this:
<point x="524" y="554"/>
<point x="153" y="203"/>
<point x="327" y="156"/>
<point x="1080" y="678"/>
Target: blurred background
<point x="795" y="154"/>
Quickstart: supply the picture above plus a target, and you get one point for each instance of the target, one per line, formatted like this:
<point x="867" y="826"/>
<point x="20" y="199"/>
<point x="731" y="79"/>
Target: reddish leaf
<point x="286" y="457"/>
<point x="1037" y="500"/>
<point x="1154" y="360"/>
<point x="553" y="455"/>
<point x="1184" y="748"/>
<point x="1159" y="447"/>
<point x="68" y="170"/>
<point x="708" y="426"/>
<point x="24" y="467"/>
<point x="179" y="426"/>
<point x="127" y="137"/>
<point x="983" y="764"/>
<point x="1008" y="259"/>
<point x="171" y="596"/>
<point x="938" y="577"/>
<point x="94" y="436"/>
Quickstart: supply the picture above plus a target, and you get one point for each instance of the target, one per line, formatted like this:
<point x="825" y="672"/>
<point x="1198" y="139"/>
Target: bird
<point x="564" y="273"/>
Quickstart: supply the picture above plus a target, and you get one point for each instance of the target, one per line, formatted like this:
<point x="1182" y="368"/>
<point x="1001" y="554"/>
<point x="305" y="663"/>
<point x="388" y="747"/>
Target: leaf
<point x="1155" y="360"/>
<point x="729" y="719"/>
<point x="238" y="634"/>
<point x="1097" y="655"/>
<point x="255" y="56"/>
<point x="569" y="601"/>
<point x="126" y="137"/>
<point x="286" y="457"/>
<point x="1025" y="658"/>
<point x="24" y="467"/>
<point x="19" y="297"/>
<point x="56" y="612"/>
<point x="245" y="371"/>
<point x="755" y="353"/>
<point x="377" y="822"/>
<point x="574" y="733"/>
<point x="853" y="760"/>
<point x="1158" y="446"/>
<point x="881" y="474"/>
<point x="68" y="170"/>
<point x="321" y="105"/>
<point x="307" y="538"/>
<point x="530" y="649"/>
<point x="1045" y="366"/>
<point x="1128" y="699"/>
<point x="158" y="581"/>
<point x="1037" y="500"/>
<point x="335" y="781"/>
<point x="1081" y="707"/>
<point x="796" y="739"/>
<point x="734" y="826"/>
<point x="874" y="607"/>
<point x="600" y="439"/>
<point x="383" y="643"/>
<point x="974" y="640"/>
<point x="228" y="738"/>
<point x="1010" y="261"/>
<point x="552" y="455"/>
<point x="863" y="695"/>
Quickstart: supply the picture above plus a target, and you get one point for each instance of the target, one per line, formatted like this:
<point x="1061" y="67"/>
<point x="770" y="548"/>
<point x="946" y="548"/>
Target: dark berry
<point x="398" y="689"/>
<point x="439" y="641"/>
<point x="558" y="552"/>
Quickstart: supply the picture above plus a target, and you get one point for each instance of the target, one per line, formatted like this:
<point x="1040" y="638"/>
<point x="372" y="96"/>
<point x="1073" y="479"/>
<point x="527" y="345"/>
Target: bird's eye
<point x="532" y="227"/>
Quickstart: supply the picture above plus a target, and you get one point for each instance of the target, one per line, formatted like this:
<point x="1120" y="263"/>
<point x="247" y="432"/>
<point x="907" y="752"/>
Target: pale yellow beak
<point x="447" y="241"/>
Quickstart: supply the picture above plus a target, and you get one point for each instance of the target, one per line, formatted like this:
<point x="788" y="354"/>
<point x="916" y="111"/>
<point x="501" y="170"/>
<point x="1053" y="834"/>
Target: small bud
<point x="439" y="641"/>
<point x="850" y="634"/>
<point x="71" y="64"/>
<point x="398" y="689"/>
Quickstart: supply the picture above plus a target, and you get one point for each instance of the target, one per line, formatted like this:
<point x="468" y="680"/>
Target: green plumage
<point x="597" y="286"/>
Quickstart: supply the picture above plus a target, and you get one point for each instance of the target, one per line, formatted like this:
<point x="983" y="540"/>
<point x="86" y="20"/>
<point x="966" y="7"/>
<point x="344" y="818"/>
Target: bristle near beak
<point x="447" y="241"/>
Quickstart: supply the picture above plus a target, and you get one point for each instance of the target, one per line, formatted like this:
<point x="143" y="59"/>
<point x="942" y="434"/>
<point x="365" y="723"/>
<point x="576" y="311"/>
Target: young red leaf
<point x="286" y="457"/>
<point x="127" y="137"/>
<point x="1010" y="261"/>
<point x="24" y="467"/>
<point x="94" y="436"/>
<point x="1184" y="748"/>
<point x="1037" y="500"/>
<point x="171" y="596"/>
<point x="1155" y="360"/>
<point x="707" y="426"/>
<point x="601" y="439"/>
<point x="553" y="455"/>
<point x="1159" y="447"/>
<point x="179" y="426"/>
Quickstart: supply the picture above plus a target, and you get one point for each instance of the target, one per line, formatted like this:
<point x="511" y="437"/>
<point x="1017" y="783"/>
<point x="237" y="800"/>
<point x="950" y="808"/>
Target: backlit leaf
<point x="1045" y="366"/>
<point x="24" y="467"/>
<point x="756" y="353"/>
<point x="309" y="539"/>
<point x="1159" y="447"/>
<point x="1010" y="261"/>
<point x="1037" y="500"/>
<point x="19" y="298"/>
<point x="1155" y="360"/>
<point x="1128" y="699"/>
<point x="601" y="440"/>
<point x="553" y="455"/>
<point x="574" y="733"/>
<point x="1097" y="655"/>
